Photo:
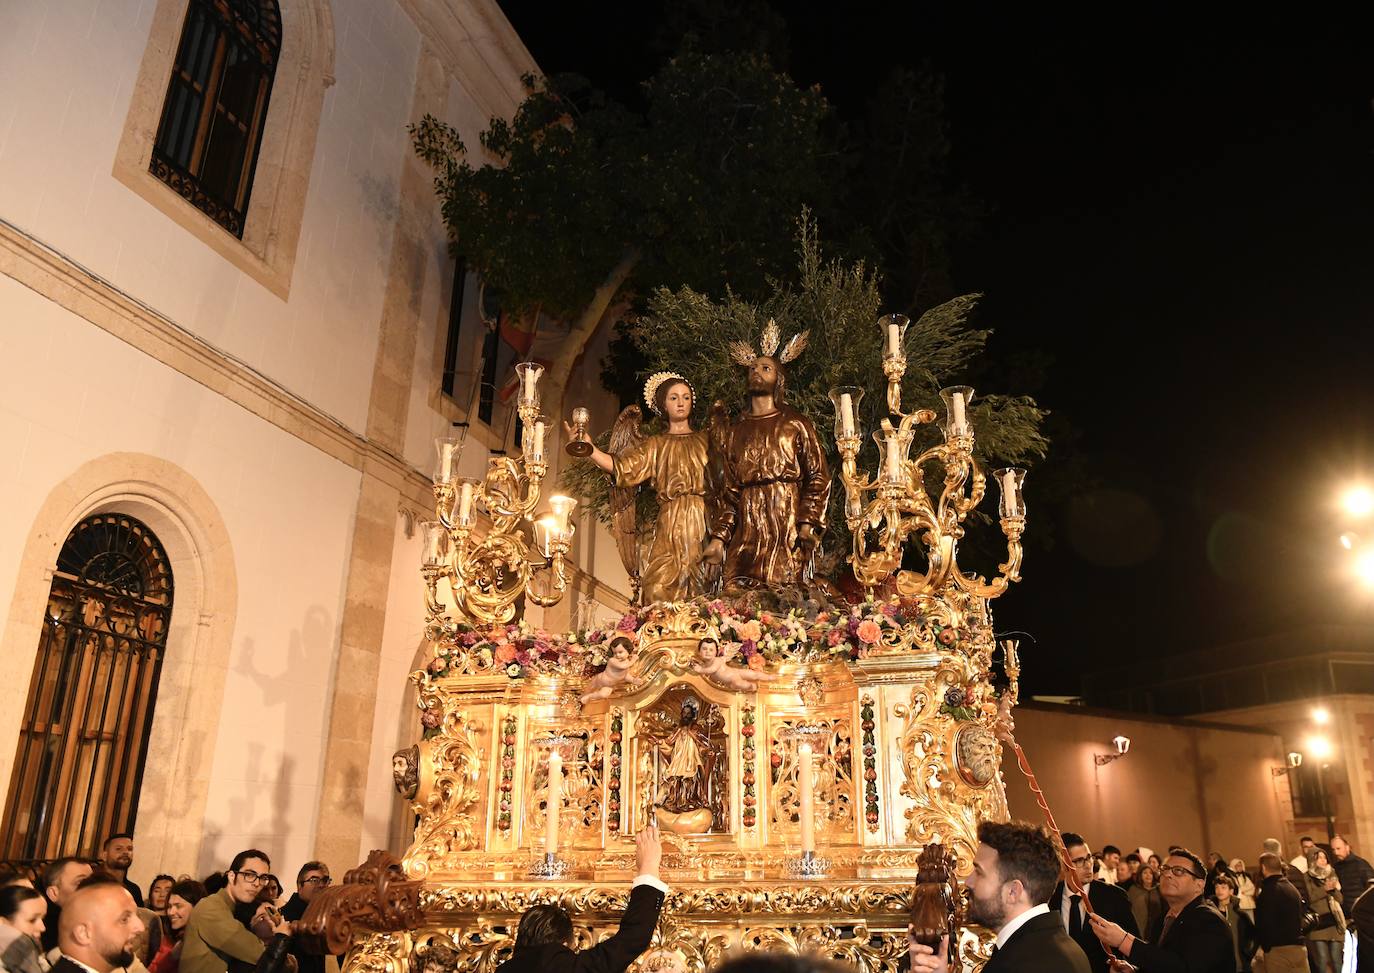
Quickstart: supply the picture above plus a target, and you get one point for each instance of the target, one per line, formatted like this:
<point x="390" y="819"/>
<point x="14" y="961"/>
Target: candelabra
<point x="884" y="510"/>
<point x="488" y="571"/>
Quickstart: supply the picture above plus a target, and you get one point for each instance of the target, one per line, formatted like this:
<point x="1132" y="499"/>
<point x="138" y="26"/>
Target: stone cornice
<point x="71" y="286"/>
<point x="476" y="44"/>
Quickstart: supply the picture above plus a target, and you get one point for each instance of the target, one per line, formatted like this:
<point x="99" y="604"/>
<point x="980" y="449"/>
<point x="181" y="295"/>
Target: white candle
<point x="956" y="403"/>
<point x="529" y="384"/>
<point x="555" y="801"/>
<point x="806" y="813"/>
<point x="446" y="462"/>
<point x="538" y="442"/>
<point x="894" y="340"/>
<point x="465" y="504"/>
<point x="894" y="458"/>
<point x="1009" y="493"/>
<point x="847" y="413"/>
<point x="434" y="538"/>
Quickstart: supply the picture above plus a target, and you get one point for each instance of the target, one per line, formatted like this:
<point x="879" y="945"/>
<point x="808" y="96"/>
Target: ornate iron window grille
<point x="216" y="105"/>
<point x="78" y="767"/>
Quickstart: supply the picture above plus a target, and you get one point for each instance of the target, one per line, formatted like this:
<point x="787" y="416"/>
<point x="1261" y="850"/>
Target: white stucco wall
<point x="75" y="62"/>
<point x="82" y="393"/>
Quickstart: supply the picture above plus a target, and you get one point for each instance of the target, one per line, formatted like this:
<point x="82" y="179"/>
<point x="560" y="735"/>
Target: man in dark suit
<point x="99" y="928"/>
<point x="1192" y="937"/>
<point x="1107" y="901"/>
<point x="1014" y="871"/>
<point x="544" y="938"/>
<point x="1278" y="920"/>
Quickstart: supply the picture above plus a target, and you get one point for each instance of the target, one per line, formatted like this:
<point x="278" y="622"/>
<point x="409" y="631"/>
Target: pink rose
<point x="835" y="637"/>
<point x="505" y="653"/>
<point x="750" y="631"/>
<point x="869" y="632"/>
<point x="756" y="661"/>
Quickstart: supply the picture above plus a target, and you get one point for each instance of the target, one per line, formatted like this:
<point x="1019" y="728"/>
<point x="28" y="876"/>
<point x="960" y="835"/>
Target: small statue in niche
<point x="712" y="663"/>
<point x="685" y="766"/>
<point x="976" y="754"/>
<point x="405" y="772"/>
<point x="619" y="661"/>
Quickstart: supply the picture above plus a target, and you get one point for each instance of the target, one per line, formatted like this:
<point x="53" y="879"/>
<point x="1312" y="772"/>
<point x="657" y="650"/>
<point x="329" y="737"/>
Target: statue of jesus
<point x="776" y="483"/>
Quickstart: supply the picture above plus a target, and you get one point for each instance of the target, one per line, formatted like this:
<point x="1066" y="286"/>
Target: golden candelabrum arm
<point x="489" y="573"/>
<point x="884" y="511"/>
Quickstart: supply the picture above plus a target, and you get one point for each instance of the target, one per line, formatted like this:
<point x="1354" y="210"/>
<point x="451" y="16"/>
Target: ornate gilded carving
<point x="374" y="897"/>
<point x="867" y="725"/>
<point x="451" y="772"/>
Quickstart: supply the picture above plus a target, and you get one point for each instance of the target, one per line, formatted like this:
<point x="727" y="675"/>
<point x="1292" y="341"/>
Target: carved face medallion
<point x="405" y="771"/>
<point x="976" y="753"/>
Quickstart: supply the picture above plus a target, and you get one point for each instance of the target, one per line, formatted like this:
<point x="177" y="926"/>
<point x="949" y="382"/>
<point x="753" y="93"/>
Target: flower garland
<point x="755" y="636"/>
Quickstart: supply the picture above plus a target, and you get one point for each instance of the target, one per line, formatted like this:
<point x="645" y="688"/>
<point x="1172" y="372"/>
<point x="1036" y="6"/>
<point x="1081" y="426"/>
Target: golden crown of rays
<point x="744" y="354"/>
<point x="656" y="380"/>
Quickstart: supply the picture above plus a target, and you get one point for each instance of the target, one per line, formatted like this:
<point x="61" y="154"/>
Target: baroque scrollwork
<point x="448" y="795"/>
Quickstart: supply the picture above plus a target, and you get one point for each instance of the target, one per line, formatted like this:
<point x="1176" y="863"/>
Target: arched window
<point x="79" y="763"/>
<point x="216" y="105"/>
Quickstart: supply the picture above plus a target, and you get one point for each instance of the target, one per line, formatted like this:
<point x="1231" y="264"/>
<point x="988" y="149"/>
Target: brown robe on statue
<point x="775" y="478"/>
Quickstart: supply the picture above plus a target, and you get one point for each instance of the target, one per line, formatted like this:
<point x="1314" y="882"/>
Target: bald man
<point x="99" y="927"/>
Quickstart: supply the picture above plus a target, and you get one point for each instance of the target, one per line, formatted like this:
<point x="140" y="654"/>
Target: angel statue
<point x="620" y="660"/>
<point x="675" y="463"/>
<point x="713" y="664"/>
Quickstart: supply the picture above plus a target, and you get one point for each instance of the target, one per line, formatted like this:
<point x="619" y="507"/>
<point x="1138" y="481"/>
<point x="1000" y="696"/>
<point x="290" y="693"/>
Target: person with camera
<point x="215" y="941"/>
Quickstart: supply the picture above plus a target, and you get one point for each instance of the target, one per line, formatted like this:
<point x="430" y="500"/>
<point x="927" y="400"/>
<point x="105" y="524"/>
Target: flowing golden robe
<point x="775" y="478"/>
<point x="676" y="467"/>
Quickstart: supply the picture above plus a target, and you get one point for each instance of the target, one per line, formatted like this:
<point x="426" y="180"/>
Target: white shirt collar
<point x="1007" y="931"/>
<point x="78" y="962"/>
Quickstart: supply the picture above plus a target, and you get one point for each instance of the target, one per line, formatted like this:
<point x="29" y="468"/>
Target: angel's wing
<point x="626" y="434"/>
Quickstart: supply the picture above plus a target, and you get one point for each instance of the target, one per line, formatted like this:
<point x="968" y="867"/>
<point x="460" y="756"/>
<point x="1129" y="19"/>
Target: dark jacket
<point x="64" y="965"/>
<point x="1198" y="941"/>
<point x="613" y="955"/>
<point x="1362" y="921"/>
<point x="1355" y="876"/>
<point x="1039" y="946"/>
<point x="134" y="891"/>
<point x="1242" y="934"/>
<point x="54" y="916"/>
<point x="1109" y="902"/>
<point x="305" y="962"/>
<point x="1278" y="913"/>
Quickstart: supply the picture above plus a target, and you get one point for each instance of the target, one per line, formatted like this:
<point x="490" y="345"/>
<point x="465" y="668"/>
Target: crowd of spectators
<point x="231" y="921"/>
<point x="1084" y="912"/>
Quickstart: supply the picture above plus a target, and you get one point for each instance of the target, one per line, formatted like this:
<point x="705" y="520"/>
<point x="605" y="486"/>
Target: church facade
<point x="231" y="329"/>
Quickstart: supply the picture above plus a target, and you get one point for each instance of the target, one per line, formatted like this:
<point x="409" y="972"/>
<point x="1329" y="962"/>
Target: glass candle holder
<point x="892" y="454"/>
<point x="957" y="400"/>
<point x="530" y="373"/>
<point x="533" y="435"/>
<point x="894" y="335"/>
<point x="1011" y="482"/>
<point x="433" y="543"/>
<point x="465" y="493"/>
<point x="447" y="453"/>
<point x="846" y="399"/>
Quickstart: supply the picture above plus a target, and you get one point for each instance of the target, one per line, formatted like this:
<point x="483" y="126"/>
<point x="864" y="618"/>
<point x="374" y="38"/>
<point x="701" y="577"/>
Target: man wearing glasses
<point x="1193" y="938"/>
<point x="1107" y="901"/>
<point x="310" y="881"/>
<point x="214" y="938"/>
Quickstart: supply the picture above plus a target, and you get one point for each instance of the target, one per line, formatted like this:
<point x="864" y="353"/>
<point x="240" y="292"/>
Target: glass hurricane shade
<point x="447" y="453"/>
<point x="1010" y="481"/>
<point x="957" y="398"/>
<point x="846" y="399"/>
<point x="894" y="334"/>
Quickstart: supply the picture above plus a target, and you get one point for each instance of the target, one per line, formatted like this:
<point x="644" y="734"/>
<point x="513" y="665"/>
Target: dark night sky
<point x="1181" y="219"/>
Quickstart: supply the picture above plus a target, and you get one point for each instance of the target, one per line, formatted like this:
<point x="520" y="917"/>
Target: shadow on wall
<point x="278" y="708"/>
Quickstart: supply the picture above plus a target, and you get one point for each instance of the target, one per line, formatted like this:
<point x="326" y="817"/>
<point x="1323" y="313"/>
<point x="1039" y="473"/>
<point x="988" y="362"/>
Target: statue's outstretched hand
<point x="573" y="434"/>
<point x="714" y="552"/>
<point x="806" y="538"/>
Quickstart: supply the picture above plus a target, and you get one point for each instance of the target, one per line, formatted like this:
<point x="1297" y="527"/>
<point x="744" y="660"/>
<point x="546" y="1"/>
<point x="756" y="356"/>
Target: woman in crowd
<point x="1245" y="887"/>
<point x="1326" y="943"/>
<point x="1146" y="904"/>
<point x="21" y="923"/>
<point x="181" y="899"/>
<point x="157" y="893"/>
<point x="1242" y="929"/>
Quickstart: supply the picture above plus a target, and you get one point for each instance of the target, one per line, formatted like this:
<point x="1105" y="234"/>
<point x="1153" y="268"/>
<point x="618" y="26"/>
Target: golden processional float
<point x="817" y="803"/>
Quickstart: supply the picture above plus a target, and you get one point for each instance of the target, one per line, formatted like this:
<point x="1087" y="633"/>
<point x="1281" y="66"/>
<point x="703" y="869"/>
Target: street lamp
<point x="1294" y="762"/>
<point x="1358" y="501"/>
<point x="1123" y="746"/>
